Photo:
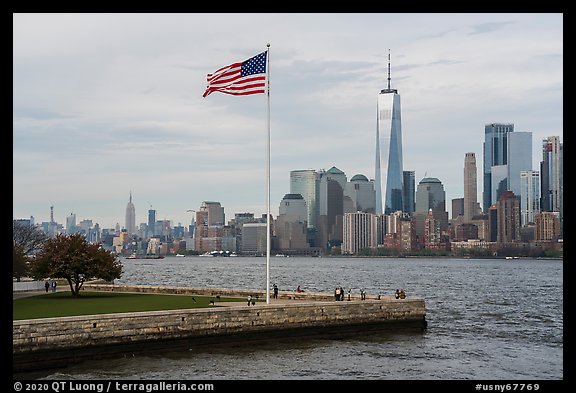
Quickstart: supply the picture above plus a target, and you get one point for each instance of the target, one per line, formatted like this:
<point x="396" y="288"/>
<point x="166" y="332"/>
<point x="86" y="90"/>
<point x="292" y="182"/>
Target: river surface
<point x="488" y="319"/>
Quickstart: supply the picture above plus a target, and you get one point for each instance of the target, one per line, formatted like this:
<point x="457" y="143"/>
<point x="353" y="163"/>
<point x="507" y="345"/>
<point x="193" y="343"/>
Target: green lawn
<point x="61" y="304"/>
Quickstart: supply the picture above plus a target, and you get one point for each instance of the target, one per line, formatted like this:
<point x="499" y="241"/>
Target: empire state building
<point x="389" y="141"/>
<point x="130" y="217"/>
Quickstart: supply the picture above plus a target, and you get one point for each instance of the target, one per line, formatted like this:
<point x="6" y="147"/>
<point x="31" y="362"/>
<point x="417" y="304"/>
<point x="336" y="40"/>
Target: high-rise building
<point x="495" y="154"/>
<point x="331" y="208"/>
<point x="215" y="213"/>
<point x="305" y="182"/>
<point x="529" y="196"/>
<point x="470" y="187"/>
<point x="360" y="230"/>
<point x="519" y="158"/>
<point x="508" y="218"/>
<point x="547" y="226"/>
<point x="291" y="227"/>
<point x="254" y="238"/>
<point x="430" y="195"/>
<point x="551" y="174"/>
<point x="457" y="208"/>
<point x="151" y="228"/>
<point x="409" y="195"/>
<point x="130" y="217"/>
<point x="389" y="141"/>
<point x="209" y="231"/>
<point x="71" y="224"/>
<point x="361" y="192"/>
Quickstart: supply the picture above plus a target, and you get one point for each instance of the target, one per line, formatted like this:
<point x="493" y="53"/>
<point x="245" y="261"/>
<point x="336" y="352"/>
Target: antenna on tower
<point x="388" y="69"/>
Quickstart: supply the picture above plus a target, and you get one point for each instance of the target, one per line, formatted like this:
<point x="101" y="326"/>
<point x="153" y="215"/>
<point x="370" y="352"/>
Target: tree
<point x="27" y="240"/>
<point x="71" y="257"/>
<point x="19" y="263"/>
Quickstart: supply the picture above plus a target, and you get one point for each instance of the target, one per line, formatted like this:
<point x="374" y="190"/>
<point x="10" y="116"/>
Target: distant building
<point x="360" y="231"/>
<point x="409" y="193"/>
<point x="547" y="227"/>
<point x="209" y="231"/>
<point x="151" y="228"/>
<point x="130" y="217"/>
<point x="470" y="187"/>
<point x="291" y="226"/>
<point x="495" y="154"/>
<point x="432" y="233"/>
<point x="254" y="238"/>
<point x="331" y="204"/>
<point x="389" y="138"/>
<point x="519" y="158"/>
<point x="457" y="207"/>
<point x="430" y="195"/>
<point x="361" y="193"/>
<point x="508" y="218"/>
<point x="306" y="183"/>
<point x="529" y="196"/>
<point x="551" y="177"/>
<point x="71" y="224"/>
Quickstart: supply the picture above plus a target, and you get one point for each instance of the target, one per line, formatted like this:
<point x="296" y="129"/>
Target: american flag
<point x="239" y="79"/>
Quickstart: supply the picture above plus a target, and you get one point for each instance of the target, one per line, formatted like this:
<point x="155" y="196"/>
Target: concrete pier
<point x="55" y="342"/>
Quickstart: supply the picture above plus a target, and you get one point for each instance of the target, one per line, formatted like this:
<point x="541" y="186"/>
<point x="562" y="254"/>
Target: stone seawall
<point x="39" y="343"/>
<point x="224" y="292"/>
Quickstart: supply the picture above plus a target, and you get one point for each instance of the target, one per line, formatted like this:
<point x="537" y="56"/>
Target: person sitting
<point x="402" y="294"/>
<point x="299" y="290"/>
<point x="397" y="294"/>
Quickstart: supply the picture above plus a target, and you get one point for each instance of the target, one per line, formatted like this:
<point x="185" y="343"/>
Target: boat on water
<point x="146" y="256"/>
<point x="218" y="254"/>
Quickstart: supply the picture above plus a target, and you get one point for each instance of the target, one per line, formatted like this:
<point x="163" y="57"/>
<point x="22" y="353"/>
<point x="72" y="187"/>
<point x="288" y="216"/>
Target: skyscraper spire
<point x="130" y="216"/>
<point x="388" y="69"/>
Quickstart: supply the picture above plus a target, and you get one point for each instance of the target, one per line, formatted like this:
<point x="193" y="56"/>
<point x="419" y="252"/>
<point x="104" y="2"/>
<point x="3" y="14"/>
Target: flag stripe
<point x="244" y="78"/>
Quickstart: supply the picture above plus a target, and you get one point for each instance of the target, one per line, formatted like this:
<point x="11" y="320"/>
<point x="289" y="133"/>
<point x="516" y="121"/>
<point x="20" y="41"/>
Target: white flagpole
<point x="268" y="183"/>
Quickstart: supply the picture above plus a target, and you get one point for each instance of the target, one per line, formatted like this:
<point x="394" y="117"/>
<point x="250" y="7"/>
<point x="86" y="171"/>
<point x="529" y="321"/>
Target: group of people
<point x="339" y="294"/>
<point x="50" y="285"/>
<point x="400" y="294"/>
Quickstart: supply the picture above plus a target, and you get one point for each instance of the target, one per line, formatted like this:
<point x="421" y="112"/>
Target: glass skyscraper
<point x="305" y="182"/>
<point x="519" y="158"/>
<point x="495" y="154"/>
<point x="389" y="141"/>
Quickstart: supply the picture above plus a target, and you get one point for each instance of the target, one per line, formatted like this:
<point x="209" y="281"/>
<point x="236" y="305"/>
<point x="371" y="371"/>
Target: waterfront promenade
<point x="38" y="343"/>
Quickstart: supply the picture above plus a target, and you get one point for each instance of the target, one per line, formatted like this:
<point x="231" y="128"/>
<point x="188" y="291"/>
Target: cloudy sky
<point x="108" y="104"/>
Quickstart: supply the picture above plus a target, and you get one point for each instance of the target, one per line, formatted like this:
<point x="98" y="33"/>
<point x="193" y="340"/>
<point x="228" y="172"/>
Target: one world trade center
<point x="389" y="142"/>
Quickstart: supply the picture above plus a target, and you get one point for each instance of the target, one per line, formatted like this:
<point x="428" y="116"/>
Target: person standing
<point x="275" y="296"/>
<point x="53" y="285"/>
<point x="362" y="294"/>
<point x="249" y="299"/>
<point x="47" y="285"/>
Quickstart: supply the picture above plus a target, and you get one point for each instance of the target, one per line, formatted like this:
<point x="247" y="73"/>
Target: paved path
<point x="20" y="294"/>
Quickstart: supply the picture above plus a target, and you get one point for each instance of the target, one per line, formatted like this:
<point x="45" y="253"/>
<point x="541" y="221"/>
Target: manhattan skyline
<point x="105" y="105"/>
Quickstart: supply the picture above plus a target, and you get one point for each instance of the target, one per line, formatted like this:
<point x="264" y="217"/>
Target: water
<point x="488" y="319"/>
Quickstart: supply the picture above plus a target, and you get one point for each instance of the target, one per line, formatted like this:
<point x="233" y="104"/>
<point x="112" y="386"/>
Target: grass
<point x="62" y="304"/>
